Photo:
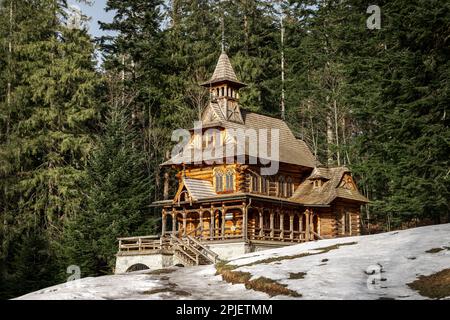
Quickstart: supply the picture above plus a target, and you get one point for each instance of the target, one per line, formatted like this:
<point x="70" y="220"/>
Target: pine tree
<point x="47" y="124"/>
<point x="116" y="204"/>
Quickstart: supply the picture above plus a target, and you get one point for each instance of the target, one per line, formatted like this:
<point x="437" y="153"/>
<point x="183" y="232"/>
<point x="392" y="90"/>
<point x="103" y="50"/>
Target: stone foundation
<point x="158" y="260"/>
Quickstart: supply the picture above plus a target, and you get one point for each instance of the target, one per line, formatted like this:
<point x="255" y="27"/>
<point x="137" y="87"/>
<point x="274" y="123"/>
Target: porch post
<point x="174" y="221"/>
<point x="211" y="224"/>
<point x="223" y="222"/>
<point x="307" y="236"/>
<point x="291" y="225"/>
<point x="261" y="222"/>
<point x="163" y="227"/>
<point x="272" y="231"/>
<point x="201" y="222"/>
<point x="184" y="222"/>
<point x="281" y="225"/>
<point x="300" y="226"/>
<point x="244" y="221"/>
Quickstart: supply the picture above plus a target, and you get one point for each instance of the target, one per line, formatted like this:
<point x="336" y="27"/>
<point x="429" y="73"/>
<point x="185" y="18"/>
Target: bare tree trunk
<point x="283" y="111"/>
<point x="8" y="94"/>
<point x="166" y="179"/>
<point x="329" y="138"/>
<point x="336" y="129"/>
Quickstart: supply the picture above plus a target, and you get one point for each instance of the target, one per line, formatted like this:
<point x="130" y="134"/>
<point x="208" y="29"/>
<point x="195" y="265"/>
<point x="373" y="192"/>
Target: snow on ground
<point x="364" y="267"/>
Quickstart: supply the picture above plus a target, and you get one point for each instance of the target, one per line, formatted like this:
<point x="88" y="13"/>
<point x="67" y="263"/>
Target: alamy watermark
<point x="213" y="146"/>
<point x="374" y="20"/>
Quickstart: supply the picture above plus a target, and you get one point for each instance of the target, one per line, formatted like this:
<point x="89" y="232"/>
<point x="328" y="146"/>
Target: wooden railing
<point x="144" y="243"/>
<point x="206" y="252"/>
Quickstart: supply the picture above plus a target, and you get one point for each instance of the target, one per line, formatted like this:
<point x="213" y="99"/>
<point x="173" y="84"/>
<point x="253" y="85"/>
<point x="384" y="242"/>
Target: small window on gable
<point x="317" y="183"/>
<point x="281" y="187"/>
<point x="264" y="187"/>
<point x="254" y="183"/>
<point x="218" y="180"/>
<point x="229" y="181"/>
<point x="290" y="187"/>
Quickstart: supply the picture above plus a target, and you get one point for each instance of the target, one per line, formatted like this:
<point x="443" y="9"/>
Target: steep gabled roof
<point x="224" y="72"/>
<point x="306" y="193"/>
<point x="291" y="150"/>
<point x="197" y="189"/>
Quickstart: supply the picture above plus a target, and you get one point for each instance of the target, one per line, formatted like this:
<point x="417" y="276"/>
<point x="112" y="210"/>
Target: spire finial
<point x="223" y="34"/>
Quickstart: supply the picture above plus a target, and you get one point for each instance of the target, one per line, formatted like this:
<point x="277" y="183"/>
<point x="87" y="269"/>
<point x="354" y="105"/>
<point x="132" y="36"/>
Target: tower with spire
<point x="224" y="89"/>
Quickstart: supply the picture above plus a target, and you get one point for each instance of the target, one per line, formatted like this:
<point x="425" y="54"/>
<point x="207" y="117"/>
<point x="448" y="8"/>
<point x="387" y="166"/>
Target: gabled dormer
<point x="224" y="90"/>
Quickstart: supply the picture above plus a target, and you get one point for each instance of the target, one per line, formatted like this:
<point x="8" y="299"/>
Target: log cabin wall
<point x="347" y="218"/>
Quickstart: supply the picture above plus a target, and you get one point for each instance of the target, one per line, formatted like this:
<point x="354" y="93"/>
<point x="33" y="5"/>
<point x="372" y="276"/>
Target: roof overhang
<point x="240" y="196"/>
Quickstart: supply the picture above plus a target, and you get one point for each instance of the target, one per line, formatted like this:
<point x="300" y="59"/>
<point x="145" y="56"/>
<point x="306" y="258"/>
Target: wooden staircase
<point x="191" y="251"/>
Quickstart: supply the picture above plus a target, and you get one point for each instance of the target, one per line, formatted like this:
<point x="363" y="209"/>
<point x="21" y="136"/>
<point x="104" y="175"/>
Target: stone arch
<point x="137" y="267"/>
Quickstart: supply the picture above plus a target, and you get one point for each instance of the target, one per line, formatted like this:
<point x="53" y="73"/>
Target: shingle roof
<point x="319" y="173"/>
<point x="329" y="191"/>
<point x="199" y="189"/>
<point x="291" y="149"/>
<point x="224" y="72"/>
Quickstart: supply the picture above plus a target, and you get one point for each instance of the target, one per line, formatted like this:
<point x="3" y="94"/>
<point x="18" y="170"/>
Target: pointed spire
<point x="224" y="72"/>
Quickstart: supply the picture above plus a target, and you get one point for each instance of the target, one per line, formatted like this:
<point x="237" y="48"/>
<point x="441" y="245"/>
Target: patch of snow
<point x="377" y="266"/>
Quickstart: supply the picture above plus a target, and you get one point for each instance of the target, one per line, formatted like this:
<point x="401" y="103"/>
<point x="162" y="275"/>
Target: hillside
<point x="394" y="265"/>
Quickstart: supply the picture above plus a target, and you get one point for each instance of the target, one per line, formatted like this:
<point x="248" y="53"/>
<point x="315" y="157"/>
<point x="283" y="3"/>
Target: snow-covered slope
<point x="365" y="267"/>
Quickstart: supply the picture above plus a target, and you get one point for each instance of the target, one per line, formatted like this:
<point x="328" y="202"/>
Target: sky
<point x="97" y="12"/>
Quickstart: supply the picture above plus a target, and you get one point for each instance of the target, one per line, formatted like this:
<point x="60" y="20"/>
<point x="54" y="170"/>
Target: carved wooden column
<point x="282" y="225"/>
<point x="300" y="227"/>
<point x="201" y="222"/>
<point x="174" y="221"/>
<point x="223" y="222"/>
<point x="184" y="222"/>
<point x="307" y="235"/>
<point x="291" y="226"/>
<point x="211" y="224"/>
<point x="272" y="228"/>
<point x="163" y="227"/>
<point x="244" y="221"/>
<point x="261" y="222"/>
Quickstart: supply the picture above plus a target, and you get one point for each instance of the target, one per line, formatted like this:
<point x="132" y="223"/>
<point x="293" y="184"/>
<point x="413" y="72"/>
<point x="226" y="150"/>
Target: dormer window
<point x="317" y="183"/>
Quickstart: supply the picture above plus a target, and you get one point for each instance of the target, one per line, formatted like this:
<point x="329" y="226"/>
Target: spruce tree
<point x="47" y="124"/>
<point x="116" y="199"/>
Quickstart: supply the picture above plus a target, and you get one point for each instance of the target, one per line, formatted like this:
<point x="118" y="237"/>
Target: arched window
<point x="290" y="187"/>
<point x="254" y="183"/>
<point x="229" y="181"/>
<point x="219" y="181"/>
<point x="281" y="187"/>
<point x="263" y="185"/>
